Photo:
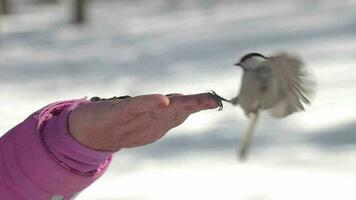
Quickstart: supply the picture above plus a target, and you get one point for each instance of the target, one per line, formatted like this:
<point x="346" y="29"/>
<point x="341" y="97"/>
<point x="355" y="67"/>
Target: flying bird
<point x="279" y="84"/>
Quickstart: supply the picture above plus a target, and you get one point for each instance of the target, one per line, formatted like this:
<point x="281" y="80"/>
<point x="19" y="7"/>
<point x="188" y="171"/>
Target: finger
<point x="139" y="104"/>
<point x="174" y="94"/>
<point x="193" y="103"/>
<point x="150" y="138"/>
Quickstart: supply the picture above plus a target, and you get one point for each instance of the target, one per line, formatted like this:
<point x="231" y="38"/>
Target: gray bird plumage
<point x="279" y="84"/>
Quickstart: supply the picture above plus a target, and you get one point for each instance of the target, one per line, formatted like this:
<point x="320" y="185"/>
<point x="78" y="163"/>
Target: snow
<point x="141" y="47"/>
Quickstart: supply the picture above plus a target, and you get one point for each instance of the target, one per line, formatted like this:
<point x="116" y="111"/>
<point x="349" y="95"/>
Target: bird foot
<point x="218" y="99"/>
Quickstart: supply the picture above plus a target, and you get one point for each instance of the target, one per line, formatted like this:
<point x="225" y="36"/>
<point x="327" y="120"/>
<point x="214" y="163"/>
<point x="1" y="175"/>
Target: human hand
<point x="114" y="124"/>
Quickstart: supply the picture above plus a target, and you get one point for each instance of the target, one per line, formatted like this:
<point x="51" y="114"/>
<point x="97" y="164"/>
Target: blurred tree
<point x="79" y="11"/>
<point x="4" y="7"/>
<point x="49" y="1"/>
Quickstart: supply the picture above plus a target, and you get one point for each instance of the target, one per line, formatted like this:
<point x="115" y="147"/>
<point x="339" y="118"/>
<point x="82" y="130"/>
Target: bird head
<point x="251" y="61"/>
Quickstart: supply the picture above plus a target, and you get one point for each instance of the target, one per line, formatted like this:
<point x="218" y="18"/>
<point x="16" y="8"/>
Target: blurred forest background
<point x="52" y="50"/>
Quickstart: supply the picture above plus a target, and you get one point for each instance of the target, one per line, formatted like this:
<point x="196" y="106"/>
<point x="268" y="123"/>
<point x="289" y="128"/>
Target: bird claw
<point x="218" y="99"/>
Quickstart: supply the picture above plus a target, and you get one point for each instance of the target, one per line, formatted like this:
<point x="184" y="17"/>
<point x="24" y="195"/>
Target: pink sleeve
<point x="40" y="160"/>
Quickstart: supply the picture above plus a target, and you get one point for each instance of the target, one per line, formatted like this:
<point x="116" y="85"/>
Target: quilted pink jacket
<point x="40" y="160"/>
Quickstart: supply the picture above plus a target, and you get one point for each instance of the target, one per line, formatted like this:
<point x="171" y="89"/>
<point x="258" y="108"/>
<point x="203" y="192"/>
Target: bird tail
<point x="247" y="137"/>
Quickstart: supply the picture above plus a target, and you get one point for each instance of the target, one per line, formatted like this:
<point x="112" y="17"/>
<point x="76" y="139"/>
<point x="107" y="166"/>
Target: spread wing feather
<point x="290" y="86"/>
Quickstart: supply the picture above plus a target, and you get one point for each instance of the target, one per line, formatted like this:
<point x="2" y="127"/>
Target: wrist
<point x="86" y="125"/>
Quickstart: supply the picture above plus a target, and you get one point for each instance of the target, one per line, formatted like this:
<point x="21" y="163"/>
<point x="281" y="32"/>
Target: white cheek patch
<point x="253" y="63"/>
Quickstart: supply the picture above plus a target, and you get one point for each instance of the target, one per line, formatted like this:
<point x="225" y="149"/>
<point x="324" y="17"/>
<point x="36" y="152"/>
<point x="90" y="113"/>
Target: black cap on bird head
<point x="250" y="55"/>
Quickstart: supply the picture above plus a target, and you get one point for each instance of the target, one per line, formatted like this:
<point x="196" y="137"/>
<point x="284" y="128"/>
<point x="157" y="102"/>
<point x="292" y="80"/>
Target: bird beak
<point x="240" y="65"/>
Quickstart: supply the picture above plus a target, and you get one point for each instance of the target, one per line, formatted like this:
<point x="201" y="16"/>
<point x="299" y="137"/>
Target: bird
<point x="280" y="84"/>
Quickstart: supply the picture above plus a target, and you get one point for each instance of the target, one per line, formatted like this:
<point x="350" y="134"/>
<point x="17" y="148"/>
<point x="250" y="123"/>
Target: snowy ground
<point x="139" y="47"/>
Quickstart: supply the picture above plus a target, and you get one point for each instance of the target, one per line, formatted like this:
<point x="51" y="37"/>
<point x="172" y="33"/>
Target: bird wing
<point x="290" y="86"/>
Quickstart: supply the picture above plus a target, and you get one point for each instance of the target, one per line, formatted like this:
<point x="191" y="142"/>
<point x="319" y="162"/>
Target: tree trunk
<point x="79" y="11"/>
<point x="49" y="1"/>
<point x="4" y="7"/>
